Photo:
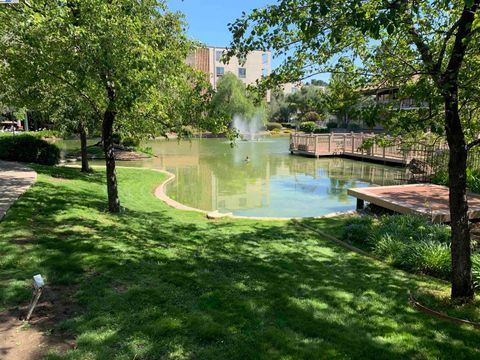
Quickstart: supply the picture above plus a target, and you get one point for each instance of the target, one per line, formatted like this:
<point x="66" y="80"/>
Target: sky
<point x="208" y="19"/>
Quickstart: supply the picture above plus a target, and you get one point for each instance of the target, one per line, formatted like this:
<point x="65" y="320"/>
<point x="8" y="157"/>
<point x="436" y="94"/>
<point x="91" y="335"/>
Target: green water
<point x="211" y="175"/>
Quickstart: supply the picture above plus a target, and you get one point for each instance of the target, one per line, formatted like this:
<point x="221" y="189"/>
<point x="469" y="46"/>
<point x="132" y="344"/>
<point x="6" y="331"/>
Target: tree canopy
<point x="393" y="41"/>
<point x="123" y="60"/>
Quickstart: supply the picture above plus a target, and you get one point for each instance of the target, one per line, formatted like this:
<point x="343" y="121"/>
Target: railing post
<point x="330" y="140"/>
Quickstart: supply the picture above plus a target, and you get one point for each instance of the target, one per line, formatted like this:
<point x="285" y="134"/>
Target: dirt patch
<point x="20" y="340"/>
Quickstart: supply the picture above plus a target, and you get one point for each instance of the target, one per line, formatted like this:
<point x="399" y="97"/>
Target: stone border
<point x="160" y="193"/>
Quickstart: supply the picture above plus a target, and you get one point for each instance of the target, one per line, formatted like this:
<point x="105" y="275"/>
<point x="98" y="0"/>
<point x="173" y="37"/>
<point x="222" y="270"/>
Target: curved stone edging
<point x="161" y="194"/>
<point x="15" y="180"/>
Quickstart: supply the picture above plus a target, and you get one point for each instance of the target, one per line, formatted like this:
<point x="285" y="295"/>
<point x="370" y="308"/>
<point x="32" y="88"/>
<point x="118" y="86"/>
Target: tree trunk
<point x="107" y="134"/>
<point x="462" y="287"/>
<point x="83" y="148"/>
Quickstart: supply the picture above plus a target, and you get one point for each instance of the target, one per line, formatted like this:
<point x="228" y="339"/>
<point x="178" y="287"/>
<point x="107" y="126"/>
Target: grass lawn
<point x="157" y="283"/>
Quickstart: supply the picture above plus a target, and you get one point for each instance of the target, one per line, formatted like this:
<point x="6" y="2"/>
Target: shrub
<point x="476" y="270"/>
<point x="311" y="116"/>
<point x="392" y="249"/>
<point x="272" y="126"/>
<point x="322" y="130"/>
<point x="130" y="141"/>
<point x="308" y="126"/>
<point x="332" y="125"/>
<point x="433" y="258"/>
<point x="288" y="125"/>
<point x="28" y="148"/>
<point x="353" y="127"/>
<point x="413" y="244"/>
<point x="357" y="230"/>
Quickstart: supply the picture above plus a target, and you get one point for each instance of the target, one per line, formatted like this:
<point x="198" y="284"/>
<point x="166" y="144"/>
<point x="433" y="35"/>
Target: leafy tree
<point x="309" y="98"/>
<point x="125" y="59"/>
<point x="395" y="40"/>
<point x="279" y="109"/>
<point x="232" y="98"/>
<point x="343" y="95"/>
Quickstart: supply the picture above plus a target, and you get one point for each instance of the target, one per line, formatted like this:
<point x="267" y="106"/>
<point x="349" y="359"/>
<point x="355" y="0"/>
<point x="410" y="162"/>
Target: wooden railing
<point x="350" y="144"/>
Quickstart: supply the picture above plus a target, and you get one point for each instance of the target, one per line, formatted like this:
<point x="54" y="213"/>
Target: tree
<point x="232" y="98"/>
<point x="309" y="98"/>
<point x="125" y="59"/>
<point x="395" y="40"/>
<point x="343" y="95"/>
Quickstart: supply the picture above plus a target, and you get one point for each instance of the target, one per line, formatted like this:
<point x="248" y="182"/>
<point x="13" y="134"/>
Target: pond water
<point x="213" y="175"/>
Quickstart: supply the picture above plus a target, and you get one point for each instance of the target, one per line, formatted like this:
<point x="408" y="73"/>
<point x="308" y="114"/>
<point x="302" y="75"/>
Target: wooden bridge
<point x="350" y="145"/>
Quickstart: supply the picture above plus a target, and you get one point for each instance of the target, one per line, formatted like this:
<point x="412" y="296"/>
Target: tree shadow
<point x="156" y="283"/>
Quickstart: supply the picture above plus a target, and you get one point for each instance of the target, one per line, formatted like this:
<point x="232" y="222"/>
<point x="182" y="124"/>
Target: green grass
<point x="157" y="283"/>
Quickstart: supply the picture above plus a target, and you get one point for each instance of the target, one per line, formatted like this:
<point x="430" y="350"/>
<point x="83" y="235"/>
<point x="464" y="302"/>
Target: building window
<point x="218" y="55"/>
<point x="264" y="72"/>
<point x="265" y="58"/>
<point x="220" y="71"/>
<point x="242" y="73"/>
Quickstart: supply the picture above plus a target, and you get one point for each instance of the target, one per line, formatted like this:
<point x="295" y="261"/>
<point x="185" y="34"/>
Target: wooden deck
<point x="349" y="145"/>
<point x="427" y="200"/>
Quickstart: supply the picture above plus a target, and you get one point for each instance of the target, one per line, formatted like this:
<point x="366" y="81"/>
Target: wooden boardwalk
<point x="350" y="145"/>
<point x="427" y="200"/>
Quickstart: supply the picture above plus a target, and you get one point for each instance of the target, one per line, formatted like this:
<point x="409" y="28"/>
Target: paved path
<point x="15" y="179"/>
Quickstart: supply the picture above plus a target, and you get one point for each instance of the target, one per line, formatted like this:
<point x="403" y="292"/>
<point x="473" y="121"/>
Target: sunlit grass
<point x="157" y="283"/>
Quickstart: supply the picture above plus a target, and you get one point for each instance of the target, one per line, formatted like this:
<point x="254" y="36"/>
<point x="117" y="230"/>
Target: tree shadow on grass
<point x="153" y="284"/>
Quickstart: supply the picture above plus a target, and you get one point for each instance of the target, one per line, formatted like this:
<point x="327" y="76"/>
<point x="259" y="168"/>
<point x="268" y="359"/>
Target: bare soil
<point x="21" y="340"/>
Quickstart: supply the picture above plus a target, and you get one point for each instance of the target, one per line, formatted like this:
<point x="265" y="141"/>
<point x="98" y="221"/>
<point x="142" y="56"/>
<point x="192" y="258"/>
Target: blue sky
<point x="208" y="19"/>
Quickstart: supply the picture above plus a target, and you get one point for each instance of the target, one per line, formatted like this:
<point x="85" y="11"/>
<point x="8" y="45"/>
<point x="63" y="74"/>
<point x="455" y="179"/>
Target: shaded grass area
<point x="157" y="283"/>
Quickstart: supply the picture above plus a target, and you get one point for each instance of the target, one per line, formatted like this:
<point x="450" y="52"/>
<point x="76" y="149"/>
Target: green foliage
<point x="130" y="141"/>
<point x="29" y="149"/>
<point x="473" y="179"/>
<point x="321" y="130"/>
<point x="232" y="98"/>
<point x="476" y="270"/>
<point x="353" y="127"/>
<point x="308" y="126"/>
<point x="312" y="116"/>
<point x="332" y="125"/>
<point x="405" y="241"/>
<point x="357" y="230"/>
<point x="272" y="126"/>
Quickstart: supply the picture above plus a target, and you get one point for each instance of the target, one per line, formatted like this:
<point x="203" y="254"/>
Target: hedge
<point x="272" y="126"/>
<point x="29" y="149"/>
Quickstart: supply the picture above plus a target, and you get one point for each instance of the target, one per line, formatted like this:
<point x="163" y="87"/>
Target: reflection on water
<point x="212" y="175"/>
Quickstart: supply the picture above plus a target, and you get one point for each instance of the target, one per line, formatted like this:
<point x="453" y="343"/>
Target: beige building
<point x="209" y="60"/>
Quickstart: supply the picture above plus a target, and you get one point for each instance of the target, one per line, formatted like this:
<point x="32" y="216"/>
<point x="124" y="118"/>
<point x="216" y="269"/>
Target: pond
<point x="213" y="175"/>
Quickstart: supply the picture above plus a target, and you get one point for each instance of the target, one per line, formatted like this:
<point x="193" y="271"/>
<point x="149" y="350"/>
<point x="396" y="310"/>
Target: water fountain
<point x="248" y="129"/>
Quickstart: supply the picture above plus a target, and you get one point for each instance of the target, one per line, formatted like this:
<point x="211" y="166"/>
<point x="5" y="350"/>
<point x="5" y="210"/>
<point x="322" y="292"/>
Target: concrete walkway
<point x="15" y="179"/>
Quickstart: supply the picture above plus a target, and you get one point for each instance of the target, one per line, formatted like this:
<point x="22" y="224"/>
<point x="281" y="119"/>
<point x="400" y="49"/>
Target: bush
<point x="357" y="230"/>
<point x="353" y="127"/>
<point x="322" y="130"/>
<point x="311" y="116"/>
<point x="332" y="125"/>
<point x="28" y="148"/>
<point x="476" y="270"/>
<point x="308" y="126"/>
<point x="272" y="126"/>
<point x="130" y="141"/>
<point x="433" y="258"/>
<point x="288" y="125"/>
<point x="411" y="243"/>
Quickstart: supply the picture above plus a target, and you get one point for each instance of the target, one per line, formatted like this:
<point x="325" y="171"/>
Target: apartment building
<point x="209" y="60"/>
